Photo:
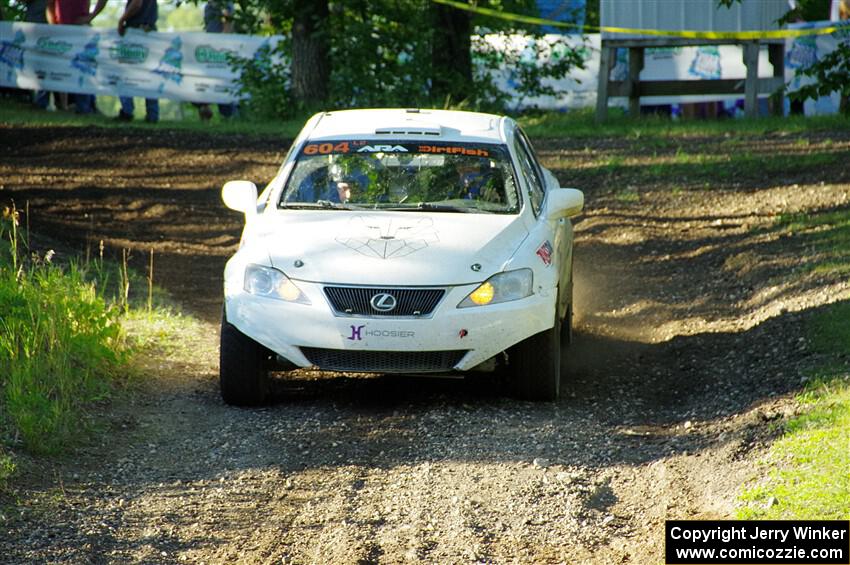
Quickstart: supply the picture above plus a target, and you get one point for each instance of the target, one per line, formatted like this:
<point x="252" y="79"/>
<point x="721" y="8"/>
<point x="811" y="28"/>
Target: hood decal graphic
<point x="388" y="238"/>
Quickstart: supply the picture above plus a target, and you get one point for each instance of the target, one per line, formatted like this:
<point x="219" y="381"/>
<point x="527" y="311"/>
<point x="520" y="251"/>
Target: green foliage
<point x="520" y="62"/>
<point x="182" y="17"/>
<point x="12" y="10"/>
<point x="376" y="58"/>
<point x="807" y="11"/>
<point x="381" y="56"/>
<point x="265" y="83"/>
<point x="60" y="346"/>
<point x="831" y="73"/>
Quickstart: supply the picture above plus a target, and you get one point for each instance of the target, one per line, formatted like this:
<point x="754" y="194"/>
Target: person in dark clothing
<point x="139" y="14"/>
<point x="36" y="13"/>
<point x="218" y="18"/>
<point x="75" y="12"/>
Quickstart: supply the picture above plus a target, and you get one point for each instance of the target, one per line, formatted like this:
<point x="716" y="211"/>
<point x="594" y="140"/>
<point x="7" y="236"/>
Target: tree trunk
<point x="310" y="62"/>
<point x="451" y="57"/>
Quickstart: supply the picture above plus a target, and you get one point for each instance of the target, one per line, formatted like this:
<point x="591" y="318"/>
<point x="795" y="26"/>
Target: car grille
<point x="383" y="361"/>
<point x="355" y="301"/>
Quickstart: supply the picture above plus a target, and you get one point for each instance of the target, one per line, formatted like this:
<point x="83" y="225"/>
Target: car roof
<point x="399" y="123"/>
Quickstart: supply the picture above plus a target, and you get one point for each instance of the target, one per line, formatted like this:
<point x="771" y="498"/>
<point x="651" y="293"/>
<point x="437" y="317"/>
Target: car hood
<point x="389" y="248"/>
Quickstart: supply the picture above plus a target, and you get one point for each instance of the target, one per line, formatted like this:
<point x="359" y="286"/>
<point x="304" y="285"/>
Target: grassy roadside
<point x="64" y="350"/>
<point x="577" y="124"/>
<point x="582" y="124"/>
<point x="806" y="470"/>
<point x="15" y="112"/>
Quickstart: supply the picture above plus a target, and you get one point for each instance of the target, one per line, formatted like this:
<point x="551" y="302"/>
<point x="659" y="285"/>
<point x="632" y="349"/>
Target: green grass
<point x="62" y="342"/>
<point x="61" y="345"/>
<point x="696" y="170"/>
<point x="71" y="337"/>
<point x="158" y="330"/>
<point x="658" y="131"/>
<point x="14" y="112"/>
<point x="829" y="233"/>
<point x="68" y="336"/>
<point x="808" y="476"/>
<point x="7" y="469"/>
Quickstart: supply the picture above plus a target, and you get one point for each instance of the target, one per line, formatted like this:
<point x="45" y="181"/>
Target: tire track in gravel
<point x="688" y="338"/>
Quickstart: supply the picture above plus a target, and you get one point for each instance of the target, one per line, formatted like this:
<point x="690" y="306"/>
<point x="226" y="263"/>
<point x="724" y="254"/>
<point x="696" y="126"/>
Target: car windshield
<point x="400" y="175"/>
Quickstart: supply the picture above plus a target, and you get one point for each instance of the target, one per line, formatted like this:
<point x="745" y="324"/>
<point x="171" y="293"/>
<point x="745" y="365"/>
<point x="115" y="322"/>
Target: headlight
<point x="502" y="287"/>
<point x="271" y="283"/>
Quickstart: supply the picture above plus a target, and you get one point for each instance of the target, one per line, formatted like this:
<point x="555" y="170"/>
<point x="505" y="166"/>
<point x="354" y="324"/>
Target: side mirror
<point x="240" y="195"/>
<point x="563" y="203"/>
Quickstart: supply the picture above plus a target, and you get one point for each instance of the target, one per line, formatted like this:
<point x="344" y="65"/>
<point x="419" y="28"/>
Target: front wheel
<point x="243" y="368"/>
<point x="535" y="365"/>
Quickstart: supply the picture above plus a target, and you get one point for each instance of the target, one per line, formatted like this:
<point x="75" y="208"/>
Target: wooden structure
<point x="701" y="15"/>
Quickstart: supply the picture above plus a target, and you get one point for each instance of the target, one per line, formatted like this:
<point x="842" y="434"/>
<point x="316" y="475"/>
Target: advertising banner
<point x="578" y="90"/>
<point x="191" y="66"/>
<point x="800" y="53"/>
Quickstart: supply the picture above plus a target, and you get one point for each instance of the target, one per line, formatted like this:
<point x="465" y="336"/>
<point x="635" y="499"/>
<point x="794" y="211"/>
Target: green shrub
<point x="7" y="469"/>
<point x="60" y="346"/>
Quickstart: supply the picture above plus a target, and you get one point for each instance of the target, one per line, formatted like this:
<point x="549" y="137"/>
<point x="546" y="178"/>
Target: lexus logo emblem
<point x="383" y="302"/>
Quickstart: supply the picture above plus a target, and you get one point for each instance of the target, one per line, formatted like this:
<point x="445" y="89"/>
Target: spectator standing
<point x="36" y="13"/>
<point x="139" y="14"/>
<point x="75" y="12"/>
<point x="218" y="18"/>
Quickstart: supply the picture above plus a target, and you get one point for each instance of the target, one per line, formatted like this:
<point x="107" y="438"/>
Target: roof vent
<point x="418" y="129"/>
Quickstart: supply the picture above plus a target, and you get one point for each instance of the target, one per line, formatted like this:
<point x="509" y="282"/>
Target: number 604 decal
<point x="326" y="148"/>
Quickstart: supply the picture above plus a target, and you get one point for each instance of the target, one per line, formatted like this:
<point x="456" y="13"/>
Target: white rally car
<point x="401" y="241"/>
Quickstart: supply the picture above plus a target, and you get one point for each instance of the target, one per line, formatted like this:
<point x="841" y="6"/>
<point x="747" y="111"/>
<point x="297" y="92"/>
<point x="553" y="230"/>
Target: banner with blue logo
<point x="191" y="66"/>
<point x="802" y="52"/>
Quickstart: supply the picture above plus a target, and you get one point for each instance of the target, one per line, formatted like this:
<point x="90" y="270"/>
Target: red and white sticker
<point x="545" y="253"/>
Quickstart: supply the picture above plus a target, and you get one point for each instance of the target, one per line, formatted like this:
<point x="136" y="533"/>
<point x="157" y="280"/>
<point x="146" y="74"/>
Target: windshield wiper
<point x="323" y="204"/>
<point x="430" y="207"/>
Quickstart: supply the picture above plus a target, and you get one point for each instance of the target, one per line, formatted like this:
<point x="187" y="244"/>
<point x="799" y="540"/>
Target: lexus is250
<point x="401" y="241"/>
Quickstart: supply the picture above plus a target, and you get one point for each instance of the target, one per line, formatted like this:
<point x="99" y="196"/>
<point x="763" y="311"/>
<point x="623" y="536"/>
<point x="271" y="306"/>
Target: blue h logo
<point x="355" y="333"/>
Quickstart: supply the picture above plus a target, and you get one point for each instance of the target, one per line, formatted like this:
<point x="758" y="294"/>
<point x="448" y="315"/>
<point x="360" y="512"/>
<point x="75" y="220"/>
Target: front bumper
<point x="481" y="332"/>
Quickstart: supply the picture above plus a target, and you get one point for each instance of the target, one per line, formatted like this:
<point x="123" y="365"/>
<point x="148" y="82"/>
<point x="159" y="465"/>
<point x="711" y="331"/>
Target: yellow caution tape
<point x="688" y="34"/>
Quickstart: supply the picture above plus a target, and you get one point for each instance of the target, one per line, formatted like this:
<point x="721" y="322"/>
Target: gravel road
<point x="691" y="310"/>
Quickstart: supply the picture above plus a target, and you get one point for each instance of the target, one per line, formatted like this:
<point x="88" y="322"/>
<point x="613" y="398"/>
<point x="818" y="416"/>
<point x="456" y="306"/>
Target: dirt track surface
<point x="690" y="336"/>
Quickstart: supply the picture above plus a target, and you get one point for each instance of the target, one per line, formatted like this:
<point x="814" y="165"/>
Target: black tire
<point x="243" y="368"/>
<point x="567" y="320"/>
<point x="567" y="326"/>
<point x="535" y="365"/>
